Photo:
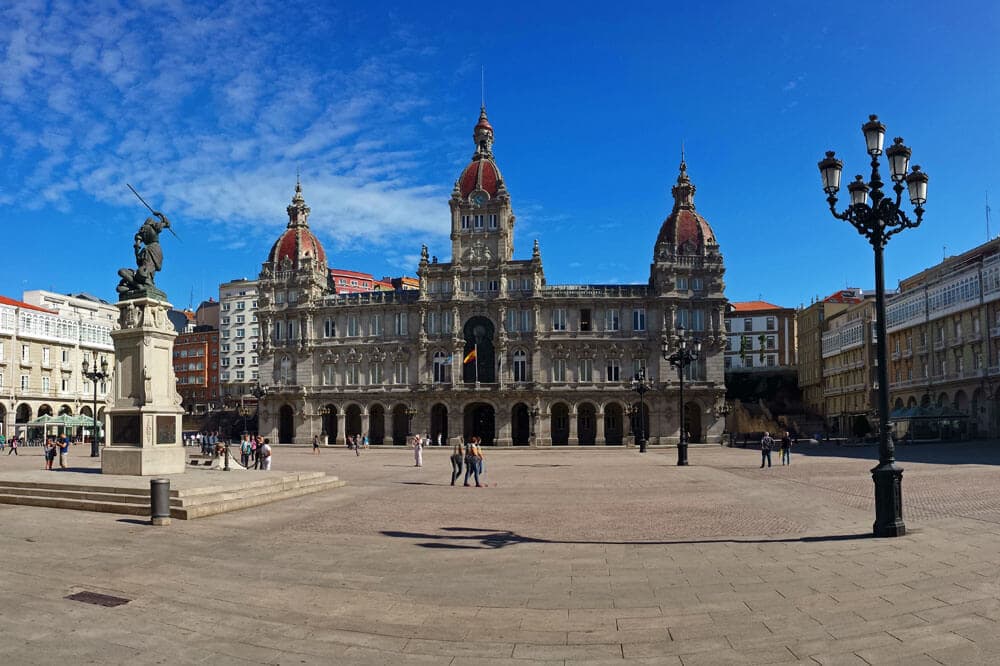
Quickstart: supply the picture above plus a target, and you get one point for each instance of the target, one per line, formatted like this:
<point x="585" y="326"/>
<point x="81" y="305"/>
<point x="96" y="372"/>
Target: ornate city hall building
<point x="485" y="347"/>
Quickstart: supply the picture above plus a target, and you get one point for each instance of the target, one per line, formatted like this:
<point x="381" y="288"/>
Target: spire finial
<point x="683" y="163"/>
<point x="482" y="86"/>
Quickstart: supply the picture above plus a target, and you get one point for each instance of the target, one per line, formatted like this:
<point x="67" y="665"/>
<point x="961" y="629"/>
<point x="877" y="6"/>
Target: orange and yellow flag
<point x="471" y="356"/>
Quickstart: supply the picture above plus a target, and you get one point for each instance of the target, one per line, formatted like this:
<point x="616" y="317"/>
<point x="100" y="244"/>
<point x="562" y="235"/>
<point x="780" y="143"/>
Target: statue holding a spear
<point x="148" y="253"/>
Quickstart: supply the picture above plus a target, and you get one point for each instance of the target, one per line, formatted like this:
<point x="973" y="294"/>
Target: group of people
<point x="785" y="446"/>
<point x="253" y="449"/>
<point x="56" y="446"/>
<point x="471" y="455"/>
<point x="207" y="441"/>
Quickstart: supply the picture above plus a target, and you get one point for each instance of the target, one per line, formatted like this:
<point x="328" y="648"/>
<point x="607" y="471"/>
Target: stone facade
<point x="761" y="335"/>
<point x="485" y="346"/>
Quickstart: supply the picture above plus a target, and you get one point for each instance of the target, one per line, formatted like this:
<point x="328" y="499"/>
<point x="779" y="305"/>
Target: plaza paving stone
<point x="569" y="556"/>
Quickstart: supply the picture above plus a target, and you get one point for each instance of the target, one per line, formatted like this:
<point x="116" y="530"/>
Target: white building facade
<point x="239" y="338"/>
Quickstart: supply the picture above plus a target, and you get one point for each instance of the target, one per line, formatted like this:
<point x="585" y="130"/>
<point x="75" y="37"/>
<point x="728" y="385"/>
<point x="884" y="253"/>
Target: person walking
<point x="265" y="452"/>
<point x="786" y="449"/>
<point x="357" y="446"/>
<point x="766" y="443"/>
<point x="480" y="462"/>
<point x="456" y="460"/>
<point x="418" y="451"/>
<point x="13" y="446"/>
<point x="315" y="445"/>
<point x="3" y="442"/>
<point x="471" y="468"/>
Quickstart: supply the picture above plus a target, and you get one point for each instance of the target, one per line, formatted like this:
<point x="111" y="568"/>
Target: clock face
<point x="479" y="198"/>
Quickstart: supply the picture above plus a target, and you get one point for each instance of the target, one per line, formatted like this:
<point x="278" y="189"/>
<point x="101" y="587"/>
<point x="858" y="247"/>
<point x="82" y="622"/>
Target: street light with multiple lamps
<point x="641" y="385"/>
<point x="410" y="413"/>
<point x="879" y="221"/>
<point x="258" y="391"/>
<point x="681" y="359"/>
<point x="94" y="377"/>
<point x="323" y="412"/>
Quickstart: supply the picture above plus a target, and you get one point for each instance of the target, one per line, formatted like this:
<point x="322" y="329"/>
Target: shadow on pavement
<point x="493" y="539"/>
<point x="132" y="521"/>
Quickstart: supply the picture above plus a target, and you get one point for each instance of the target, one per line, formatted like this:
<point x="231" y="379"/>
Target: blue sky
<point x="211" y="109"/>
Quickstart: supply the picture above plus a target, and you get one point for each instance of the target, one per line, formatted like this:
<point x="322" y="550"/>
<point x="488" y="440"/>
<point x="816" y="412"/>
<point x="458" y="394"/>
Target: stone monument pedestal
<point x="144" y="421"/>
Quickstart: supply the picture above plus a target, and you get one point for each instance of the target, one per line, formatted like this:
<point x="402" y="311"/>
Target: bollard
<point x="642" y="446"/>
<point x="159" y="501"/>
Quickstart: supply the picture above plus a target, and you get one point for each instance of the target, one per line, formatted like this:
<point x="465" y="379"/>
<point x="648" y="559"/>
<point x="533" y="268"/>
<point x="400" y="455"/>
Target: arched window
<point x="520" y="366"/>
<point x="442" y="368"/>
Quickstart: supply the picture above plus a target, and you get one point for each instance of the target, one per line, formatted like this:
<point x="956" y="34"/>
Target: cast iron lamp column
<point x="641" y="386"/>
<point x="94" y="377"/>
<point x="878" y="222"/>
<point x="410" y="413"/>
<point x="534" y="418"/>
<point x="681" y="359"/>
<point x="258" y="392"/>
<point x="323" y="412"/>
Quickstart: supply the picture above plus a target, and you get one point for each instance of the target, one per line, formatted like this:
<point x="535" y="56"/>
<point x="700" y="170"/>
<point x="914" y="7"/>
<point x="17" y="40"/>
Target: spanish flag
<point x="471" y="356"/>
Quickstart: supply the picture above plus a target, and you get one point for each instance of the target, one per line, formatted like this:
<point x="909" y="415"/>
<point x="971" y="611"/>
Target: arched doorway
<point x="898" y="404"/>
<point x="439" y="423"/>
<point x="586" y="424"/>
<point x="286" y="425"/>
<point x="65" y="410"/>
<point x="400" y="424"/>
<point x="478" y="333"/>
<point x="480" y="421"/>
<point x="520" y="426"/>
<point x="560" y="423"/>
<point x="376" y="424"/>
<point x="329" y="425"/>
<point x="352" y="421"/>
<point x="912" y="402"/>
<point x="613" y="421"/>
<point x="45" y="410"/>
<point x="23" y="413"/>
<point x="692" y="421"/>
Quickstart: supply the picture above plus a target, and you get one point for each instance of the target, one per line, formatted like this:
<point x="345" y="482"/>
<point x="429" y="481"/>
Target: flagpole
<point x="475" y="348"/>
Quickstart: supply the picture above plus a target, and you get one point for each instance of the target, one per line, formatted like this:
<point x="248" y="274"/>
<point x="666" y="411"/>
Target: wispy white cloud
<point x="211" y="110"/>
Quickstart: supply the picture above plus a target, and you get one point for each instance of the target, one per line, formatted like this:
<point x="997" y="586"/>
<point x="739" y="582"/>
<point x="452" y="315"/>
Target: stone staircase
<point x="185" y="503"/>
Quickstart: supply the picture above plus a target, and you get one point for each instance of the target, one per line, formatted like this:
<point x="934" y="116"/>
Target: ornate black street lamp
<point x="534" y="418"/>
<point x="879" y="221"/>
<point x="257" y="391"/>
<point x="410" y="413"/>
<point x="681" y="359"/>
<point x="725" y="409"/>
<point x="244" y="411"/>
<point x="641" y="386"/>
<point x="94" y="377"/>
<point x="323" y="412"/>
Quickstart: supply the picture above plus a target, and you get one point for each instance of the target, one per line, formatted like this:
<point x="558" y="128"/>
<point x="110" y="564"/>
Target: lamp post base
<point x="642" y="446"/>
<point x="682" y="454"/>
<point x="888" y="501"/>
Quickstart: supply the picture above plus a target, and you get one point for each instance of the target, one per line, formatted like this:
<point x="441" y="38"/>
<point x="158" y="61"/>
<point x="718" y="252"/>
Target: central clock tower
<point x="482" y="223"/>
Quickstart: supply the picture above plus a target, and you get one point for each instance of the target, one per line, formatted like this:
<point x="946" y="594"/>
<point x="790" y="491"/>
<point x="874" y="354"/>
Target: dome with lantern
<point x="684" y="232"/>
<point x="297" y="244"/>
<point x="482" y="174"/>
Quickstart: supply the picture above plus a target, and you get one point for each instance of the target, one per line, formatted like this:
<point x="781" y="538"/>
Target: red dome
<point x="685" y="228"/>
<point x="296" y="243"/>
<point x="481" y="174"/>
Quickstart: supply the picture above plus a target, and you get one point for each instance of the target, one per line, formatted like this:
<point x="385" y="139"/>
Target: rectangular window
<point x="241" y="332"/>
<point x="520" y="367"/>
<point x="241" y="305"/>
<point x="512" y="321"/>
<point x="225" y="363"/>
<point x="45" y="384"/>
<point x="25" y="353"/>
<point x="614" y="370"/>
<point x="448" y="322"/>
<point x="559" y="319"/>
<point x="585" y="319"/>
<point x="24" y="382"/>
<point x="239" y="360"/>
<point x="63" y="385"/>
<point x="400" y="327"/>
<point x="45" y="355"/>
<point x="353" y="373"/>
<point x="240" y="319"/>
<point x="329" y="328"/>
<point x="493" y="222"/>
<point x="586" y="370"/>
<point x="240" y="374"/>
<point x="400" y="373"/>
<point x="329" y="375"/>
<point x="433" y="323"/>
<point x="375" y="373"/>
<point x="441" y="368"/>
<point x="375" y="324"/>
<point x="480" y="221"/>
<point x="526" y="320"/>
<point x="240" y="346"/>
<point x="611" y="320"/>
<point x="639" y="368"/>
<point x="697" y="320"/>
<point x="771" y="324"/>
<point x="697" y="284"/>
<point x="225" y="347"/>
<point x="353" y="330"/>
<point x="770" y="342"/>
<point x="466" y="221"/>
<point x="639" y="319"/>
<point x="682" y="284"/>
<point x="558" y="369"/>
<point x="748" y="324"/>
<point x="65" y="355"/>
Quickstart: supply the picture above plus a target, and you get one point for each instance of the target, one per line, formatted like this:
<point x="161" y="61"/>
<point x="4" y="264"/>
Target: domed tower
<point x="297" y="248"/>
<point x="482" y="223"/>
<point x="292" y="280"/>
<point x="687" y="268"/>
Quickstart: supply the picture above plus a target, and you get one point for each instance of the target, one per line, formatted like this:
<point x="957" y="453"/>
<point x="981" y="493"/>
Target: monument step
<point x="185" y="503"/>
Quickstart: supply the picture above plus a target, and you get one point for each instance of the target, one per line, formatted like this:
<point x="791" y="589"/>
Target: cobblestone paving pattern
<point x="569" y="556"/>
